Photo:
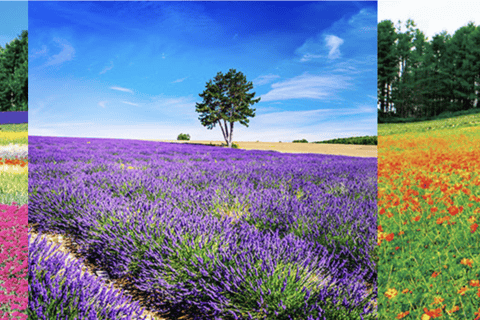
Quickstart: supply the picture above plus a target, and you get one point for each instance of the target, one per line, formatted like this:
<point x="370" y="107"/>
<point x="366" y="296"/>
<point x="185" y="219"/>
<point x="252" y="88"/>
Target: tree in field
<point x="225" y="102"/>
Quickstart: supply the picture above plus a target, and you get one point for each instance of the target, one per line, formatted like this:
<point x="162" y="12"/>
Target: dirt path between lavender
<point x="289" y="147"/>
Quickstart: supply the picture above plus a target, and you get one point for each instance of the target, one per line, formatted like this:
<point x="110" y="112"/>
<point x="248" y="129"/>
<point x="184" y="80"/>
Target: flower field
<point x="13" y="221"/>
<point x="429" y="211"/>
<point x="200" y="232"/>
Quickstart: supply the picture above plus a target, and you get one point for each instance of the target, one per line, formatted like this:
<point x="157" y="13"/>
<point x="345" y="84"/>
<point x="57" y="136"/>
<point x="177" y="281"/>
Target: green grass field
<point x="429" y="211"/>
<point x="386" y="129"/>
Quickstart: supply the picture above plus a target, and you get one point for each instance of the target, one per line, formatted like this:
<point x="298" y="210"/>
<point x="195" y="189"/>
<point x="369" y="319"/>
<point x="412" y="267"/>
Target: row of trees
<point x="421" y="78"/>
<point x="14" y="74"/>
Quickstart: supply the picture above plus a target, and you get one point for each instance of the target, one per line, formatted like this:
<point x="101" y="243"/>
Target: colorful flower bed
<point x="13" y="257"/>
<point x="429" y="211"/>
<point x="13" y="222"/>
<point x="223" y="234"/>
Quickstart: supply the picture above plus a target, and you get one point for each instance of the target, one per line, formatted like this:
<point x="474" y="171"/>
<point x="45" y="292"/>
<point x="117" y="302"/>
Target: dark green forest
<point x="421" y="78"/>
<point x="14" y="74"/>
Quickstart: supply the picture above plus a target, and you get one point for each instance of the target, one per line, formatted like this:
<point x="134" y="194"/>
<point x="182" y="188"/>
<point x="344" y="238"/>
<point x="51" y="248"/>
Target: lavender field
<point x="201" y="231"/>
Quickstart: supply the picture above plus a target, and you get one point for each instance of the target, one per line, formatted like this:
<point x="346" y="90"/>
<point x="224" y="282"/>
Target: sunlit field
<point x="429" y="211"/>
<point x="472" y="120"/>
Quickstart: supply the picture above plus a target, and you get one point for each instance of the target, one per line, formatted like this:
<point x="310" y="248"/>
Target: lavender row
<point x="58" y="290"/>
<point x="211" y="279"/>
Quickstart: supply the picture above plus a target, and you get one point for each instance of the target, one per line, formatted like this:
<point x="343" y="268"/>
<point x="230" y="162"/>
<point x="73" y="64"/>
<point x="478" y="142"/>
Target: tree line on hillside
<point x="418" y="78"/>
<point x="14" y="74"/>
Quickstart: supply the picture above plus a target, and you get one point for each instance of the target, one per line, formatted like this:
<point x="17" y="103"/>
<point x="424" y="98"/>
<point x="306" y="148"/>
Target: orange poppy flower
<point x="402" y="315"/>
<point x="433" y="313"/>
<point x="463" y="290"/>
<point x="475" y="283"/>
<point x="466" y="261"/>
<point x="454" y="309"/>
<point x="453" y="210"/>
<point x="473" y="227"/>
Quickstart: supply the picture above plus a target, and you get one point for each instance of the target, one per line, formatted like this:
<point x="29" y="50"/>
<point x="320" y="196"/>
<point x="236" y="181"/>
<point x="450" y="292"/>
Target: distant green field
<point x="13" y="134"/>
<point x="14" y="127"/>
<point x="385" y="129"/>
<point x="365" y="140"/>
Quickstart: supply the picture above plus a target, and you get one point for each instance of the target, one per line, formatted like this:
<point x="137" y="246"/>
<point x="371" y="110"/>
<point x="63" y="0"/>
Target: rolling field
<point x="429" y="211"/>
<point x="13" y="221"/>
<point x="199" y="232"/>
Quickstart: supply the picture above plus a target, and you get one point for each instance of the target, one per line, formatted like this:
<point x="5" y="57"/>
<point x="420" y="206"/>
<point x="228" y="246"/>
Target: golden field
<point x="289" y="147"/>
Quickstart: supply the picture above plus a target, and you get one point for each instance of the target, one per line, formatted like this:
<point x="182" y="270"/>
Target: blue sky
<point x="13" y="20"/>
<point x="136" y="69"/>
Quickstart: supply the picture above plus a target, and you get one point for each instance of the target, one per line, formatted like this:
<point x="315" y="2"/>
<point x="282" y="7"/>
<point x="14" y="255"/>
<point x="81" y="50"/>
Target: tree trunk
<point x="231" y="134"/>
<point x="223" y="131"/>
<point x="382" y="101"/>
<point x="227" y="138"/>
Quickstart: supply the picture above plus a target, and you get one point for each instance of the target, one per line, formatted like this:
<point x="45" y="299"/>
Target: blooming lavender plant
<point x="224" y="234"/>
<point x="58" y="290"/>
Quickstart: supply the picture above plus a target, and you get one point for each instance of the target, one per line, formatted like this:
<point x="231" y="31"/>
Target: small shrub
<point x="300" y="141"/>
<point x="234" y="145"/>
<point x="183" y="136"/>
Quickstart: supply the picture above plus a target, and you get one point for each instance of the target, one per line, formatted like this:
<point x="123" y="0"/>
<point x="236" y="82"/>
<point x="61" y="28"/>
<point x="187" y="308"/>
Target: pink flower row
<point x="14" y="254"/>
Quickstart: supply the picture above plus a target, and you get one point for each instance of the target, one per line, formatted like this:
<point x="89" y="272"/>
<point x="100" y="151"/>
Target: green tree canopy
<point x="14" y="75"/>
<point x="418" y="77"/>
<point x="225" y="102"/>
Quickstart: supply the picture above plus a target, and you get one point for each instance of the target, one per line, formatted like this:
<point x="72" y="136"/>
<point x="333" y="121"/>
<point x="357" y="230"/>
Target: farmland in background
<point x="210" y="232"/>
<point x="351" y="150"/>
<point x="429" y="211"/>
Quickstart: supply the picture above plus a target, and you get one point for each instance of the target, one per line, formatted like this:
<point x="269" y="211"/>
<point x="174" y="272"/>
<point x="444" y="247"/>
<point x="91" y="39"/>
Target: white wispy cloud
<point x="306" y="87"/>
<point x="130" y="103"/>
<point x="67" y="53"/>
<point x="313" y="48"/>
<point x="41" y="52"/>
<point x="333" y="43"/>
<point x="362" y="21"/>
<point x="121" y="89"/>
<point x="261" y="80"/>
<point x="304" y="117"/>
<point x="308" y="57"/>
<point x="179" y="80"/>
<point x="102" y="103"/>
<point x="110" y="67"/>
<point x="310" y="49"/>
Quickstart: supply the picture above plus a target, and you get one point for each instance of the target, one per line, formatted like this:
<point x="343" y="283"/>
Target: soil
<point x="351" y="150"/>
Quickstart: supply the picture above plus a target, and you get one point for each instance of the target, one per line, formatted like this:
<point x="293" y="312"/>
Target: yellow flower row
<point x="13" y="137"/>
<point x="13" y="169"/>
